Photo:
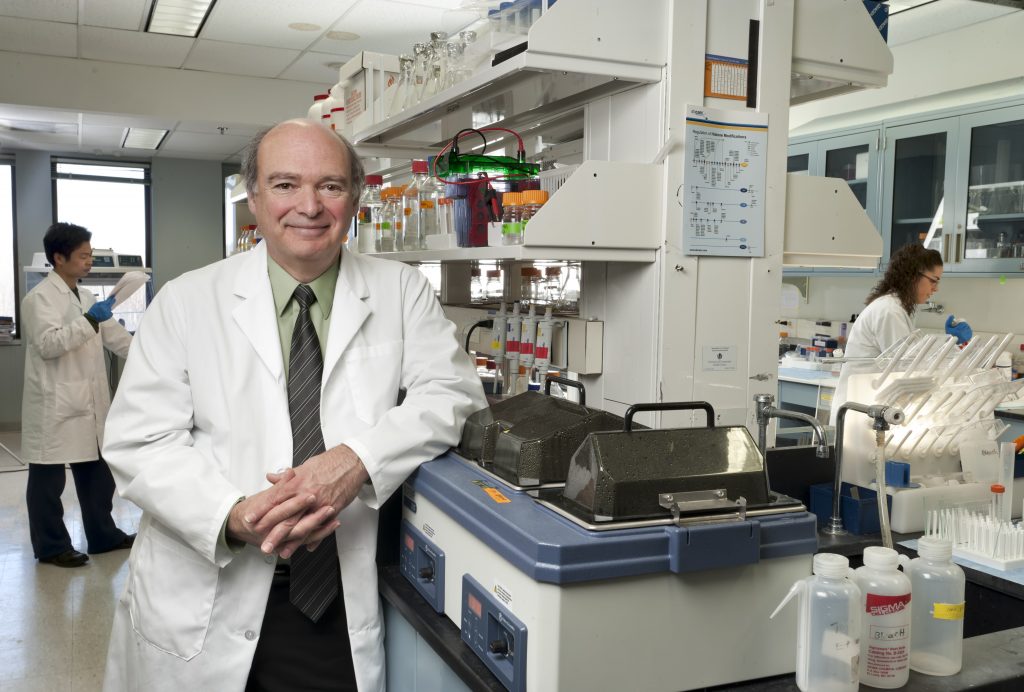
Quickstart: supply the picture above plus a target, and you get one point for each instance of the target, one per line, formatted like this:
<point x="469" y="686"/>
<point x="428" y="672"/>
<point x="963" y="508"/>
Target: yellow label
<point x="496" y="495"/>
<point x="949" y="611"/>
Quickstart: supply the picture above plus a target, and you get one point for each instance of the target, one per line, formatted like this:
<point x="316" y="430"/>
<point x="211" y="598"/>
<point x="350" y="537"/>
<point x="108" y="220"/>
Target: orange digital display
<point x="474" y="605"/>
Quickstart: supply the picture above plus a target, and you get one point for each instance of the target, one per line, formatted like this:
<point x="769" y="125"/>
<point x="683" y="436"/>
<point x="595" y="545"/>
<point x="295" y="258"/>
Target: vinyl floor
<point x="54" y="622"/>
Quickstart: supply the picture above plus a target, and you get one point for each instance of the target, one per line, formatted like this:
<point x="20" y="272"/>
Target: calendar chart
<point x="724" y="182"/>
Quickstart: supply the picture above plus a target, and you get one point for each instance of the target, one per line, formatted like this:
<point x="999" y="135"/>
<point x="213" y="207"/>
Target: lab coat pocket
<point x="373" y="376"/>
<point x="72" y="399"/>
<point x="170" y="596"/>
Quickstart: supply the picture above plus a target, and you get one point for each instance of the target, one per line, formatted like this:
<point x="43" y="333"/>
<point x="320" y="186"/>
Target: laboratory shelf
<point x="576" y="52"/>
<point x="587" y="218"/>
<point x="521" y="253"/>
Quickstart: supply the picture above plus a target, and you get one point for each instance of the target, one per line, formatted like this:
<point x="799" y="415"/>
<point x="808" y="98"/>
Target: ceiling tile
<point x="312" y="67"/>
<point x="52" y="10"/>
<point x="940" y="17"/>
<point x="41" y="38"/>
<point x="115" y="14"/>
<point x="265" y="22"/>
<point x="234" y="58"/>
<point x="122" y="121"/>
<point x="102" y="137"/>
<point x="134" y="47"/>
<point x="194" y="142"/>
<point x="393" y="27"/>
<point x="230" y="129"/>
<point x="50" y="115"/>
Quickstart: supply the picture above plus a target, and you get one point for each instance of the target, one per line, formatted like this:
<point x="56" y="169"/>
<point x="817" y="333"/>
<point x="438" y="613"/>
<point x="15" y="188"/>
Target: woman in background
<point x="911" y="279"/>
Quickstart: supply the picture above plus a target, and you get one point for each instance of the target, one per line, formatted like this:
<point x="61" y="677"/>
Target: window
<point x="110" y="199"/>
<point x="8" y="253"/>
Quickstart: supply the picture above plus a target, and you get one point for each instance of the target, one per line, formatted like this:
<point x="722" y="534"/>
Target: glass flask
<point x="405" y="93"/>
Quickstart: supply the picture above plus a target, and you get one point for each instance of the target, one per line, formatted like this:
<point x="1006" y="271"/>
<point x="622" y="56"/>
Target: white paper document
<point x="127" y="285"/>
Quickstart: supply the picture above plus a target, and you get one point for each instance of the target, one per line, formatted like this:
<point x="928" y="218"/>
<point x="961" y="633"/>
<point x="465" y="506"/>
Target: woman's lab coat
<point x="881" y="324"/>
<point x="201" y="415"/>
<point x="66" y="393"/>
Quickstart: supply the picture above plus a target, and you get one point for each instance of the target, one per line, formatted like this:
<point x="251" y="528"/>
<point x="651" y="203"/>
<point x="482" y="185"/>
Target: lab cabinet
<point x="919" y="172"/>
<point x="952" y="180"/>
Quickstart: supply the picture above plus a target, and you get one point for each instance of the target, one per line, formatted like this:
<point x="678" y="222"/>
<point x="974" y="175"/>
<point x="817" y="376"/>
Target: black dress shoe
<point x="125" y="544"/>
<point x="69" y="558"/>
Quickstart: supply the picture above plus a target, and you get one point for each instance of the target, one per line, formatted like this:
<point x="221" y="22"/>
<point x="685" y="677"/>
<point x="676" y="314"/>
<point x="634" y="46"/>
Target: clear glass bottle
<point x="572" y="287"/>
<point x="412" y="233"/>
<point x="938" y="615"/>
<point x="476" y="286"/>
<point x="553" y="285"/>
<point x="530" y="290"/>
<point x="886" y="619"/>
<point x="385" y="225"/>
<point x="454" y="72"/>
<point x="369" y="212"/>
<point x="511" y="223"/>
<point x="430" y="209"/>
<point x="404" y="94"/>
<point x="493" y="289"/>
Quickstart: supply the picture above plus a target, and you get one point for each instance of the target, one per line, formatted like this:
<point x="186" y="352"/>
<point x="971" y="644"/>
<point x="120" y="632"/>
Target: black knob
<point x="498" y="647"/>
<point x="427" y="573"/>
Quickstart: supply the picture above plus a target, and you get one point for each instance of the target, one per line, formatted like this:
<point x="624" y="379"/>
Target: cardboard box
<point x="365" y="77"/>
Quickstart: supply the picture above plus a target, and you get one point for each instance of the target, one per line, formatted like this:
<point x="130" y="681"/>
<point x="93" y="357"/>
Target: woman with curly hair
<point x="912" y="278"/>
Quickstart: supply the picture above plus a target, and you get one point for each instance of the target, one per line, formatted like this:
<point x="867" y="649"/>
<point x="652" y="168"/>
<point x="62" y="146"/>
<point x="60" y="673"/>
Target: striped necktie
<point x="315" y="579"/>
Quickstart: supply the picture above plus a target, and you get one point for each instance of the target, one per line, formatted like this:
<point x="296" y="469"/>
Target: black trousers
<point x="294" y="653"/>
<point x="94" y="485"/>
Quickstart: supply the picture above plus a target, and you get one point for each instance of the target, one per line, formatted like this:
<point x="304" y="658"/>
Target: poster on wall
<point x="724" y="182"/>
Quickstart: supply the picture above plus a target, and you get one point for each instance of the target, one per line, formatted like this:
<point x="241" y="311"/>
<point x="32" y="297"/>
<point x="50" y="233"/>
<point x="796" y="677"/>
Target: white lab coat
<point x="201" y="415"/>
<point x="66" y="392"/>
<point x="881" y="324"/>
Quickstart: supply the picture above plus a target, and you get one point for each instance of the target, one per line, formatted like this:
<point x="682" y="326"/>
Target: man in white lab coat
<point x="65" y="401"/>
<point x="200" y="436"/>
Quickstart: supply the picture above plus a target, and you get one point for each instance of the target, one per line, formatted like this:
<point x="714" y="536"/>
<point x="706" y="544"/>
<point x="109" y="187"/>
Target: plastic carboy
<point x="828" y="634"/>
<point x="938" y="623"/>
<point x="885" y="619"/>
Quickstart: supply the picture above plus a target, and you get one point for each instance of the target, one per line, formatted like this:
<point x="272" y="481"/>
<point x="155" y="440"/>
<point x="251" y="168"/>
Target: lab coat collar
<point x="350" y="309"/>
<point x="255" y="315"/>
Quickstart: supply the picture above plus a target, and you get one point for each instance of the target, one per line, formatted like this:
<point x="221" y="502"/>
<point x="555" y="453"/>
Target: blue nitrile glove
<point x="961" y="330"/>
<point x="102" y="310"/>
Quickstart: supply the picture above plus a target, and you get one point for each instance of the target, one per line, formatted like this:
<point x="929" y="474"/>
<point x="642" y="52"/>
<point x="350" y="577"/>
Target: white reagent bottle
<point x="938" y="622"/>
<point x="886" y="617"/>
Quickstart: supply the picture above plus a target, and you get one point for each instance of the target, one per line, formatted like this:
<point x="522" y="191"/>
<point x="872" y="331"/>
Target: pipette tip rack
<point x="978" y="537"/>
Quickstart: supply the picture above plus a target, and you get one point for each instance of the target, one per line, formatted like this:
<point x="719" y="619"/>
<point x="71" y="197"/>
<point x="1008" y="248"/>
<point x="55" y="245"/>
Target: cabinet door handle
<point x="959" y="244"/>
<point x="945" y="248"/>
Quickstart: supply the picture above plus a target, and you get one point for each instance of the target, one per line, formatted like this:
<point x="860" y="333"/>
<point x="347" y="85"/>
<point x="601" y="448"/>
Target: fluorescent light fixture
<point x="178" y="17"/>
<point x="143" y="138"/>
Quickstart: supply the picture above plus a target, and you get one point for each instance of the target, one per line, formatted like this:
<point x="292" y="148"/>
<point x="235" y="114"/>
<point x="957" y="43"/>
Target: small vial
<point x="998" y="497"/>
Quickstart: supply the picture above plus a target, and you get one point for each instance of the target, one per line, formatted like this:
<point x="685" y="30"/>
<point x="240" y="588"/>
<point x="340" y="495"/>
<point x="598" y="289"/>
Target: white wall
<point x="990" y="305"/>
<point x="187" y="232"/>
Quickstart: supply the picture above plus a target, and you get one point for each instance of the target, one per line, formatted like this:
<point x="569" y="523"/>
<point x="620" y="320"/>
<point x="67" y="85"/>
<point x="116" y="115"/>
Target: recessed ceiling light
<point x="143" y="138"/>
<point x="178" y="17"/>
<point x="304" y="26"/>
<point x="342" y="35"/>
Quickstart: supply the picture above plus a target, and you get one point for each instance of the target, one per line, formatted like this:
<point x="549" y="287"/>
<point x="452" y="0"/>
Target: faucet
<point x="765" y="411"/>
<point x="883" y="417"/>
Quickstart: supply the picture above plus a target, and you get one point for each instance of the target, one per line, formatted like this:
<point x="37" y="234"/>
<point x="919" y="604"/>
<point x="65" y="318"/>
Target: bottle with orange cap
<point x="511" y="219"/>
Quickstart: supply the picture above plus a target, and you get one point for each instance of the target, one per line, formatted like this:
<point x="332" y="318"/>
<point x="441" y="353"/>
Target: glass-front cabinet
<point x="919" y="171"/>
<point x="989" y="230"/>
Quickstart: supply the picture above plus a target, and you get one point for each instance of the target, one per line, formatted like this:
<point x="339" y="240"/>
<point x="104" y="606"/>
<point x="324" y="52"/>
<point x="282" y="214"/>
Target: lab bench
<point x="426" y="652"/>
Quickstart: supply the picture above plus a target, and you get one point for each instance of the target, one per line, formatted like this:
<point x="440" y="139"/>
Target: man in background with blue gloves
<point x="65" y="401"/>
<point x="961" y="330"/>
